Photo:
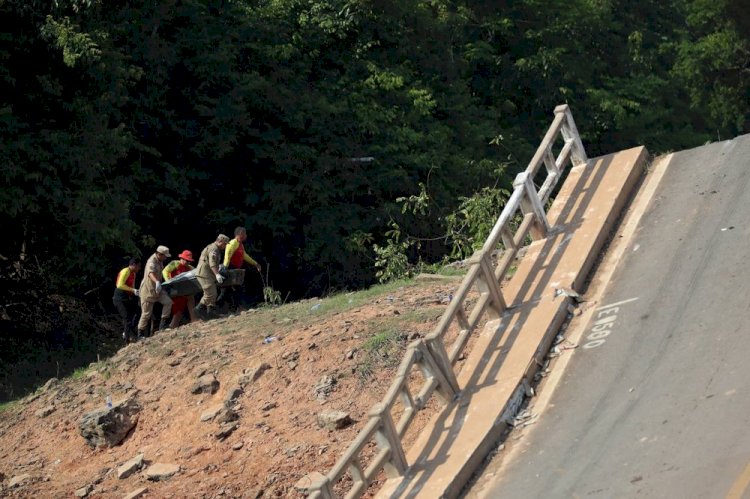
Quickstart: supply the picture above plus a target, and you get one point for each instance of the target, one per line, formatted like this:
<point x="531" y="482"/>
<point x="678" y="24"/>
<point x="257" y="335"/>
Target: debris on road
<point x="524" y="418"/>
<point x="569" y="293"/>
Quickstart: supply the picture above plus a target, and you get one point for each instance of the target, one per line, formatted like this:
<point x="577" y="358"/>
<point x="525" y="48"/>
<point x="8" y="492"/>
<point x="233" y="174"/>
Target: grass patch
<point x="358" y="298"/>
<point x="284" y="318"/>
<point x="8" y="406"/>
<point x="452" y="271"/>
<point x="382" y="350"/>
<point x="79" y="373"/>
<point x="157" y="349"/>
<point x="380" y="343"/>
<point x="381" y="331"/>
<point x="443" y="269"/>
<point x="105" y="369"/>
<point x="226" y="330"/>
<point x="420" y="315"/>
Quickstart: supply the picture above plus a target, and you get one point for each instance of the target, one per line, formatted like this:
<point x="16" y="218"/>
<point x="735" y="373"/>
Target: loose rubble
<point x="205" y="384"/>
<point x="161" y="471"/>
<point x="334" y="420"/>
<point x="130" y="467"/>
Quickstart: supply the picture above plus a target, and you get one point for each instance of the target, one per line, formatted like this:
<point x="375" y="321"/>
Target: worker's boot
<point x="131" y="332"/>
<point x="200" y="311"/>
<point x="140" y="334"/>
<point x="164" y="323"/>
<point x="211" y="312"/>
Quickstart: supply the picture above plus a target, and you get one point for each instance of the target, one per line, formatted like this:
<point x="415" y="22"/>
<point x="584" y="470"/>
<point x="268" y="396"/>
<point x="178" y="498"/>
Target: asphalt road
<point x="656" y="400"/>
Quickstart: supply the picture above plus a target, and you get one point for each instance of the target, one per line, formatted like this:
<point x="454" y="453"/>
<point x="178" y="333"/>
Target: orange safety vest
<point x="237" y="257"/>
<point x="129" y="278"/>
<point x="179" y="270"/>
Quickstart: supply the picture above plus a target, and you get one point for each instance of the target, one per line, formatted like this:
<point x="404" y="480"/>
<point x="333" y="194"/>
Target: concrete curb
<point x="579" y="325"/>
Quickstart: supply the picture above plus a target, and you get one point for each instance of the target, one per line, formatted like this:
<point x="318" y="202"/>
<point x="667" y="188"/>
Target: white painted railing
<point x="430" y="354"/>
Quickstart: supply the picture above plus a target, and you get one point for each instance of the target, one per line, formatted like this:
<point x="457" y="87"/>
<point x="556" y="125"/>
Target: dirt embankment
<point x="336" y="354"/>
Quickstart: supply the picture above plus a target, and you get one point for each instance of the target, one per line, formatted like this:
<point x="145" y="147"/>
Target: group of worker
<point x="221" y="254"/>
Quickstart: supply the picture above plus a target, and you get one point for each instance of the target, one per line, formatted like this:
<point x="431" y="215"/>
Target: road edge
<point x="598" y="285"/>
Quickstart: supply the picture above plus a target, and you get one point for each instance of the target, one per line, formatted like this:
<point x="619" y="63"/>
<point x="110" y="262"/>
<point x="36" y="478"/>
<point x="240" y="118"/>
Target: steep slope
<point x="332" y="354"/>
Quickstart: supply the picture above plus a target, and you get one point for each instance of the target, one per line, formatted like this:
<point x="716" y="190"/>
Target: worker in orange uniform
<point x="180" y="303"/>
<point x="234" y="253"/>
<point x="125" y="298"/>
<point x="235" y="256"/>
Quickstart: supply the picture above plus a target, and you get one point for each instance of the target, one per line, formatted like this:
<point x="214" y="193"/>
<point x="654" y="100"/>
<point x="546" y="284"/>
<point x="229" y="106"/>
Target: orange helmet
<point x="187" y="255"/>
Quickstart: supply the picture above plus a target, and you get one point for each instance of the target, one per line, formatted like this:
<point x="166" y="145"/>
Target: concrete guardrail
<point x="431" y="354"/>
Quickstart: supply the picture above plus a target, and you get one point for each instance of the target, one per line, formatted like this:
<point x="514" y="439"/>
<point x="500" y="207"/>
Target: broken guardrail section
<point x="434" y="359"/>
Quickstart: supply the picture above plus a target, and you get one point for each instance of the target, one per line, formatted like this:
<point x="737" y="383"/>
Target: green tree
<point x="712" y="64"/>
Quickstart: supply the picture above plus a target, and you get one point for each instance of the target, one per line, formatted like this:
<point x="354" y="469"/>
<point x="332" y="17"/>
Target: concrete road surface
<point x="656" y="400"/>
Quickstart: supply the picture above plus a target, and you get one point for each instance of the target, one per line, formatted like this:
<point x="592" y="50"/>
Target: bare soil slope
<point x="337" y="353"/>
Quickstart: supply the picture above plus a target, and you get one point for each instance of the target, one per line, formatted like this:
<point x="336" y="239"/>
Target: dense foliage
<point x="129" y="124"/>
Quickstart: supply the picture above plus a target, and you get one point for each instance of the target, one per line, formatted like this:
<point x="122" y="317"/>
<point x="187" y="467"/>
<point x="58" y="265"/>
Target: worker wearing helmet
<point x="180" y="303"/>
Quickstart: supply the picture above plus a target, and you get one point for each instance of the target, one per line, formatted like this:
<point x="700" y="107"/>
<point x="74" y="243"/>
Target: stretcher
<point x="186" y="284"/>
